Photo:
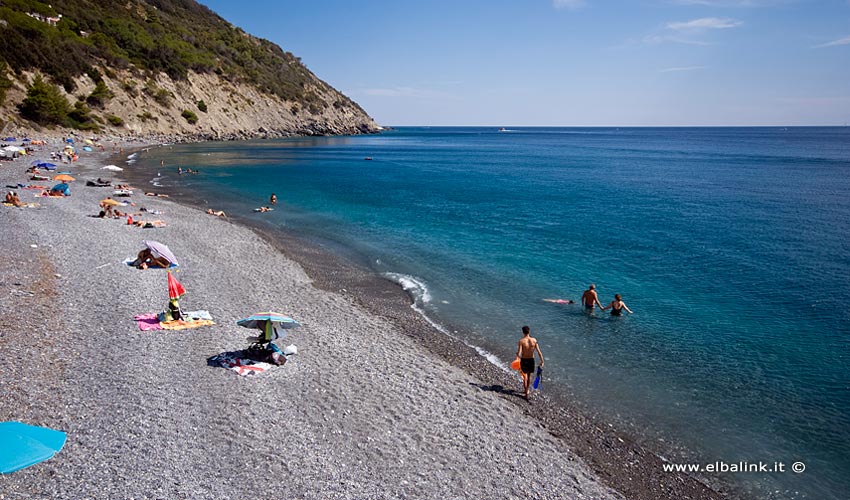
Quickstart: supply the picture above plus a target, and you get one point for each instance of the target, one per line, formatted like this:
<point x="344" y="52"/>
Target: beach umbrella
<point x="15" y="149"/>
<point x="22" y="445"/>
<point x="89" y="141"/>
<point x="44" y="164"/>
<point x="110" y="201"/>
<point x="175" y="288"/>
<point x="114" y="168"/>
<point x="160" y="250"/>
<point x="69" y="140"/>
<point x="63" y="177"/>
<point x="10" y="139"/>
<point x="60" y="187"/>
<point x="271" y="324"/>
<point x="86" y="148"/>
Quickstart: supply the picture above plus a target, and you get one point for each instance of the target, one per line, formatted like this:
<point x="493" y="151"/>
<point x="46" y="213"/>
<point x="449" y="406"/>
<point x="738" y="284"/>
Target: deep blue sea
<point x="731" y="246"/>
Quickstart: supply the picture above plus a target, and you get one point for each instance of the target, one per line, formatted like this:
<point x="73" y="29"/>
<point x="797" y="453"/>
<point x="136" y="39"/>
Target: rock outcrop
<point x="163" y="107"/>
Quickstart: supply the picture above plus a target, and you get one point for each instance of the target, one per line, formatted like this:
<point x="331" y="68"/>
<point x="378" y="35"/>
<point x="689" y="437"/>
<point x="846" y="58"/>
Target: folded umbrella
<point x="175" y="288"/>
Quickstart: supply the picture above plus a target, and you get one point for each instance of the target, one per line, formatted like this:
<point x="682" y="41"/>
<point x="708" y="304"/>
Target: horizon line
<point x="846" y="124"/>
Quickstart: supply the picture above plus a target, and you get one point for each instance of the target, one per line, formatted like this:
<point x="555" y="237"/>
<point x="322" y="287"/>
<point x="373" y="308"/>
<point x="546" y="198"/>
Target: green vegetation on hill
<point x="146" y="36"/>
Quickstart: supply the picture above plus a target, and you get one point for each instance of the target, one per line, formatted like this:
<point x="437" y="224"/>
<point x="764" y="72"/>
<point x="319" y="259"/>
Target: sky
<point x="571" y="62"/>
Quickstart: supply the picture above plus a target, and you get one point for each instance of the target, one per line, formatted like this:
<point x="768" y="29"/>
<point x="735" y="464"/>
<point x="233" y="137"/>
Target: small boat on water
<point x="503" y="129"/>
<point x="368" y="158"/>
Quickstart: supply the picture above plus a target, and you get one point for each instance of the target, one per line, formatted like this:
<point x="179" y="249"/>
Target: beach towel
<point x="152" y="321"/>
<point x="239" y="362"/>
<point x="179" y="324"/>
<point x="195" y="315"/>
<point x="148" y="321"/>
<point x="23" y="205"/>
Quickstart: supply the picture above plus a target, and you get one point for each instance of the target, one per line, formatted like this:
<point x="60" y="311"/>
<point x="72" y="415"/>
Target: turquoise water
<point x="731" y="245"/>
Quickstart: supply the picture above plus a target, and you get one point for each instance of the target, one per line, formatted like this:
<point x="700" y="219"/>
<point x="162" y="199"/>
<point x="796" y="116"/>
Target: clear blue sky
<point x="571" y="62"/>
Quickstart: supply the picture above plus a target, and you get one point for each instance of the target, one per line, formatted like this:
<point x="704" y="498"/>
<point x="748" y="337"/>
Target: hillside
<point x="157" y="66"/>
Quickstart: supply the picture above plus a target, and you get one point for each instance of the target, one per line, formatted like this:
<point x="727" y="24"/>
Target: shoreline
<point x="598" y="442"/>
<point x="612" y="458"/>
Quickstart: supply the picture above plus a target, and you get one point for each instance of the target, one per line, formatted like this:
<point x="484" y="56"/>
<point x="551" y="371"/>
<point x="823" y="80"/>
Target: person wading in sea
<point x="617" y="306"/>
<point x="589" y="299"/>
<point x="525" y="352"/>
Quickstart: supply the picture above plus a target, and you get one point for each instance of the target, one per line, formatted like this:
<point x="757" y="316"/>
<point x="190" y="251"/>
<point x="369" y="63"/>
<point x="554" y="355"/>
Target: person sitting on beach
<point x="219" y="213"/>
<point x="525" y="352"/>
<point x="617" y="305"/>
<point x="107" y="207"/>
<point x="12" y="197"/>
<point x="589" y="298"/>
<point x="146" y="259"/>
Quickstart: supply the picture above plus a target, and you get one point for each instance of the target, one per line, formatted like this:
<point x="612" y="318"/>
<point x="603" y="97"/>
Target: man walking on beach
<point x="589" y="298"/>
<point x="525" y="352"/>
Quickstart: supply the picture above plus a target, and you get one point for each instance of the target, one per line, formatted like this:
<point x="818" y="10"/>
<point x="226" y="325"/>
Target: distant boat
<point x="368" y="158"/>
<point x="503" y="129"/>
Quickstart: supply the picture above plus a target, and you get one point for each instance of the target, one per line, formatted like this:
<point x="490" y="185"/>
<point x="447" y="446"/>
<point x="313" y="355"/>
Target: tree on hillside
<point x="44" y="104"/>
<point x="100" y="95"/>
<point x="5" y="83"/>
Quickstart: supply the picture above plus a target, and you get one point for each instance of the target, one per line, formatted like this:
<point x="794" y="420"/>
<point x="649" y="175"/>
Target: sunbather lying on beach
<point x="146" y="259"/>
<point x="147" y="224"/>
<point x="219" y="213"/>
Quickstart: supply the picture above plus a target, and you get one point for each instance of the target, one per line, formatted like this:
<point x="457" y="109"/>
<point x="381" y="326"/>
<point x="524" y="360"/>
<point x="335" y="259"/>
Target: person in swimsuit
<point x="617" y="305"/>
<point x="525" y="352"/>
<point x="273" y="199"/>
<point x="589" y="298"/>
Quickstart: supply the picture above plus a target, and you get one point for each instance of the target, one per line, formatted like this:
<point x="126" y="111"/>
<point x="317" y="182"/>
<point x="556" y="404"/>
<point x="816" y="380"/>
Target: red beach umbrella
<point x="175" y="289"/>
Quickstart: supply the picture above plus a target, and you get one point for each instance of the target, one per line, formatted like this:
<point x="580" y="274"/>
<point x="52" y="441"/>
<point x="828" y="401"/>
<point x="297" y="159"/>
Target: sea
<point x="730" y="245"/>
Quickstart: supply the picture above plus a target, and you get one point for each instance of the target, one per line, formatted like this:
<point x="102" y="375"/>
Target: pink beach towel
<point x="148" y="321"/>
<point x="151" y="322"/>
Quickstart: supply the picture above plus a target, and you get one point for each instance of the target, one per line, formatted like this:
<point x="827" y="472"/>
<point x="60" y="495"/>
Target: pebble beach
<point x="375" y="405"/>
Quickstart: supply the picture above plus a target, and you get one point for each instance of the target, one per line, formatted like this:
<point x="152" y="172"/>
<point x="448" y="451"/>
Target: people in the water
<point x="273" y="199"/>
<point x="617" y="306"/>
<point x="589" y="299"/>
